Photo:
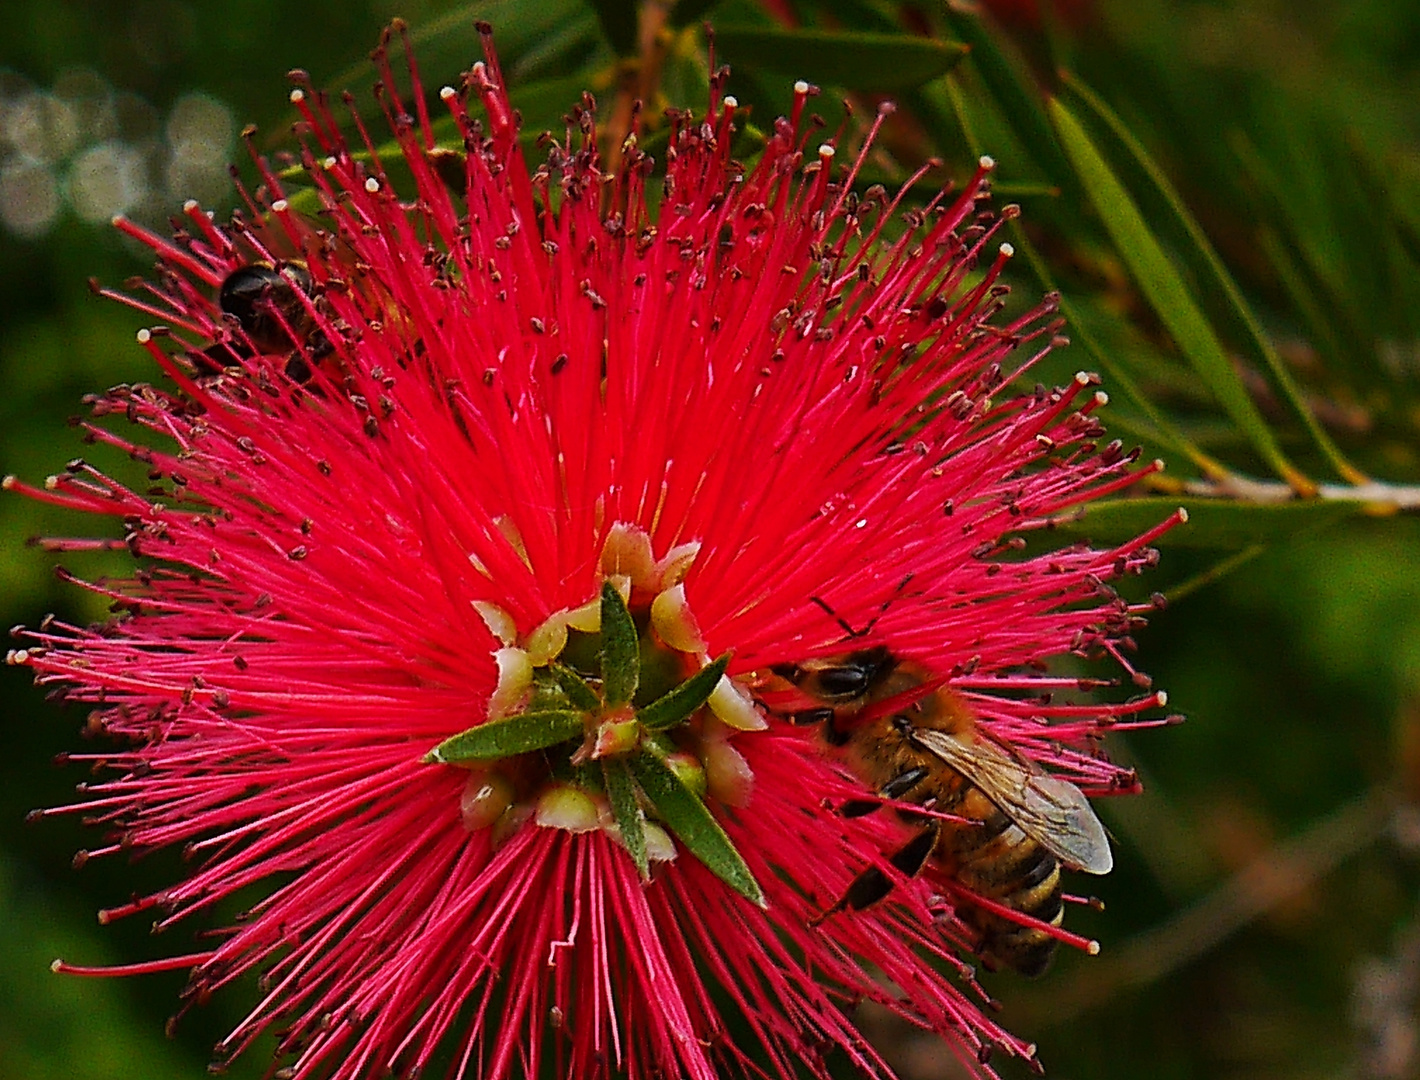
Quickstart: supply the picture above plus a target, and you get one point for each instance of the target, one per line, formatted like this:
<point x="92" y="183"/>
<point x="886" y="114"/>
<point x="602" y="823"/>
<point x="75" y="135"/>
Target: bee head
<point x="844" y="680"/>
<point x="252" y="294"/>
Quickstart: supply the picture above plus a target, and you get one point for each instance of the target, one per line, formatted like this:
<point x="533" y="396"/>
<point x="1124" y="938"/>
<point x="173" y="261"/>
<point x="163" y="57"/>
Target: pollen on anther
<point x="1101" y="398"/>
<point x="826" y="151"/>
<point x="447" y="93"/>
<point x="144" y="336"/>
<point x="1182" y="516"/>
<point x="330" y="161"/>
<point x="987" y="161"/>
<point x="297" y="96"/>
<point x="189" y="206"/>
<point x="1007" y="250"/>
<point x="372" y="185"/>
<point x="731" y="102"/>
<point x="1093" y="948"/>
<point x="801" y="87"/>
<point x="9" y="482"/>
<point x="280" y="206"/>
<point x="1082" y="378"/>
<point x="1161" y="698"/>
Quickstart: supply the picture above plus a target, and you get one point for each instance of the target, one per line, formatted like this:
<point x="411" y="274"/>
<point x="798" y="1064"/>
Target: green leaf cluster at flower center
<point x="611" y="731"/>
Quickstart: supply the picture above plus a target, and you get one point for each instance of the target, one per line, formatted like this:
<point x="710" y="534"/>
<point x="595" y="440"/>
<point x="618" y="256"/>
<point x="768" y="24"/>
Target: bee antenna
<point x="868" y="626"/>
<point x="821" y="602"/>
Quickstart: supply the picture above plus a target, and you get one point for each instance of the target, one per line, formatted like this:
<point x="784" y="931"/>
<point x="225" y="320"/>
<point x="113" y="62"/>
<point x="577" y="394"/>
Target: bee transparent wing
<point x="1051" y="811"/>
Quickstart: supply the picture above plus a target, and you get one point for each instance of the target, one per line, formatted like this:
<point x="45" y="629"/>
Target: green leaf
<point x="575" y="687"/>
<point x="621" y="651"/>
<point x="1338" y="329"/>
<point x="1161" y="428"/>
<point x="1166" y="292"/>
<point x="1212" y="522"/>
<point x="687" y="817"/>
<point x="855" y="61"/>
<point x="677" y="705"/>
<point x="618" y="23"/>
<point x="1219" y="570"/>
<point x="1212" y="276"/>
<point x="1014" y="93"/>
<point x="444" y="43"/>
<point x="508" y="737"/>
<point x="626" y="811"/>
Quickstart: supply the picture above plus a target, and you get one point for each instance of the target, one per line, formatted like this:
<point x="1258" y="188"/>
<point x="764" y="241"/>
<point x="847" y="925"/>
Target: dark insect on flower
<point x="995" y="829"/>
<point x="455" y="638"/>
<point x="271" y="309"/>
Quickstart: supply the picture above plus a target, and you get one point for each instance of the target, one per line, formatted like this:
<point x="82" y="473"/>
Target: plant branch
<point x="1378" y="496"/>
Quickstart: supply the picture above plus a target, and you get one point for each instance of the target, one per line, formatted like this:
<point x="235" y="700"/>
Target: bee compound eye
<point x="848" y="680"/>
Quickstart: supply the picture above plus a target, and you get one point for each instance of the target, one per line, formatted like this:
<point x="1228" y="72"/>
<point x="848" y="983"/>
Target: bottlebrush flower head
<point x="480" y="515"/>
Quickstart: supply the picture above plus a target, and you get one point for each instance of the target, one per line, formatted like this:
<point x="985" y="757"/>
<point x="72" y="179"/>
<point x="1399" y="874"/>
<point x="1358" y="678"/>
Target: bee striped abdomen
<point x="990" y="855"/>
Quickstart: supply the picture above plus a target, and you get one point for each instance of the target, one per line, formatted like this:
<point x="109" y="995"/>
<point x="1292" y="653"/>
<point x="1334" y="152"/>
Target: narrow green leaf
<point x="693" y="824"/>
<point x="621" y="652"/>
<point x="575" y="687"/>
<point x="679" y="703"/>
<point x="1212" y="522"/>
<point x="508" y="737"/>
<point x="1338" y="328"/>
<point x="626" y="811"/>
<point x="1162" y="429"/>
<point x="1219" y="570"/>
<point x="1166" y="292"/>
<point x="443" y="42"/>
<point x="1014" y="92"/>
<point x="618" y="23"/>
<point x="1213" y="277"/>
<point x="1311" y="300"/>
<point x="855" y="61"/>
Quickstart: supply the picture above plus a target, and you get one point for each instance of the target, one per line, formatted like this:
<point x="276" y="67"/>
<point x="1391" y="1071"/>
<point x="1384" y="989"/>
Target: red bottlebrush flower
<point x="454" y="513"/>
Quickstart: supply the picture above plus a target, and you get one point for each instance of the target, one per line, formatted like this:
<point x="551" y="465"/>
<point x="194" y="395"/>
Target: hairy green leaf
<point x="679" y="703"/>
<point x="693" y="824"/>
<point x="508" y="737"/>
<point x="575" y="687"/>
<point x="621" y="651"/>
<point x="626" y="811"/>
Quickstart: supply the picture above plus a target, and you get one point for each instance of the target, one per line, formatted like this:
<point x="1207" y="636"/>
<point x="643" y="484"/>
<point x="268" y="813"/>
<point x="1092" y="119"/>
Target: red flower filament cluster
<point x="480" y="531"/>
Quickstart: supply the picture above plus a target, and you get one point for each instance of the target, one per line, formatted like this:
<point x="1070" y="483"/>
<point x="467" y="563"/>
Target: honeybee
<point x="918" y="742"/>
<point x="272" y="307"/>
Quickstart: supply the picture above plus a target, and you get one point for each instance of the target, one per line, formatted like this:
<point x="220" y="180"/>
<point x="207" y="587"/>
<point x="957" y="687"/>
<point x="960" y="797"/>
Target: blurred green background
<point x="1263" y="919"/>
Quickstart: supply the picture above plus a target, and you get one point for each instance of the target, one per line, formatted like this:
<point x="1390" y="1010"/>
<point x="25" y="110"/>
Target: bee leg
<point x="318" y="347"/>
<point x="873" y="884"/>
<point x="217" y="358"/>
<point x="894" y="789"/>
